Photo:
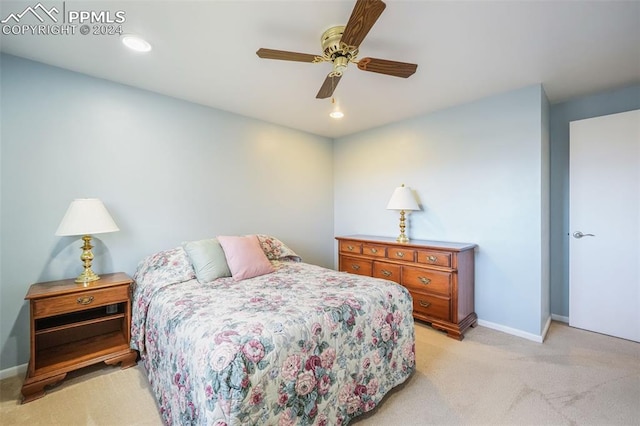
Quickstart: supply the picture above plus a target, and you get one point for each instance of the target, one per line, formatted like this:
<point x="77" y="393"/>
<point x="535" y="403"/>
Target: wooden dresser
<point x="439" y="275"/>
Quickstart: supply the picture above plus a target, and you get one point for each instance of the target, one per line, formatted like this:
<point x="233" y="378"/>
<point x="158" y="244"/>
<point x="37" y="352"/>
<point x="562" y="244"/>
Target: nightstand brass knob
<point x="84" y="300"/>
<point x="400" y="254"/>
<point x="432" y="259"/>
<point x="424" y="304"/>
<point x="424" y="280"/>
<point x="350" y="248"/>
<point x="386" y="273"/>
<point x="373" y="250"/>
<point x="356" y="267"/>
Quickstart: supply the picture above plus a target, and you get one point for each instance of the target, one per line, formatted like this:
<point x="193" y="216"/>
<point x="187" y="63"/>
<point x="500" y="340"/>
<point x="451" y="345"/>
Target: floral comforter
<point x="303" y="345"/>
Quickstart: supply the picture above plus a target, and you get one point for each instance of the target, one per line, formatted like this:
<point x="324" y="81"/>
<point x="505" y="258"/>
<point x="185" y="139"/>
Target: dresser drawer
<point x="388" y="271"/>
<point x="356" y="266"/>
<point x="397" y="253"/>
<point x="438" y="258"/>
<point x="431" y="306"/>
<point x="79" y="301"/>
<point x="350" y="247"/>
<point x="373" y="250"/>
<point x="426" y="280"/>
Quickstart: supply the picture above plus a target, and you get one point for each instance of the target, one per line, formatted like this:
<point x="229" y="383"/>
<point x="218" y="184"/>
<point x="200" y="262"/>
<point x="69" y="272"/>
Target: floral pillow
<point x="276" y="249"/>
<point x="172" y="265"/>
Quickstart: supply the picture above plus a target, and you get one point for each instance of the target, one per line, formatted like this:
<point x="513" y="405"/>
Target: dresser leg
<point x="34" y="389"/>
<point x="456" y="331"/>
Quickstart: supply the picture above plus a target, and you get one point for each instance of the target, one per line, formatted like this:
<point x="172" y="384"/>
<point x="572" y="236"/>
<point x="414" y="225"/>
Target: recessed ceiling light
<point x="136" y="43"/>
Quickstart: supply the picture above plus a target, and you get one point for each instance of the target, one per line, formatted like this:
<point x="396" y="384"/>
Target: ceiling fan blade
<point x="384" y="66"/>
<point x="285" y="56"/>
<point x="365" y="14"/>
<point x="328" y="86"/>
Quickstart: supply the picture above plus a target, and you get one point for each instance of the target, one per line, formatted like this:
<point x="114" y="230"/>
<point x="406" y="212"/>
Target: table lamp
<point x="86" y="216"/>
<point x="402" y="199"/>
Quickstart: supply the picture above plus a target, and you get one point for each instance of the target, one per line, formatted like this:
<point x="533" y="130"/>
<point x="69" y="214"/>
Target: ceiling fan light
<point x="136" y="43"/>
<point x="340" y="64"/>
<point x="335" y="113"/>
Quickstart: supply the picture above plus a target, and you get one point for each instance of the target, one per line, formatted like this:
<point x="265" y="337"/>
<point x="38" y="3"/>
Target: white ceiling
<point x="204" y="52"/>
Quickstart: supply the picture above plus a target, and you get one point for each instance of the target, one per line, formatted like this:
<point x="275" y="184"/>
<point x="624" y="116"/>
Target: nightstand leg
<point x="127" y="360"/>
<point x="35" y="389"/>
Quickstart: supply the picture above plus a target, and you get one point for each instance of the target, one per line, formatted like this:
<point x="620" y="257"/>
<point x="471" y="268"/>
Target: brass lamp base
<point x="87" y="276"/>
<point x="87" y="256"/>
<point x="402" y="238"/>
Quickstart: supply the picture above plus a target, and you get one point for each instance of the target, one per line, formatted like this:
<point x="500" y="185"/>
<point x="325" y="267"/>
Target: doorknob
<point x="579" y="235"/>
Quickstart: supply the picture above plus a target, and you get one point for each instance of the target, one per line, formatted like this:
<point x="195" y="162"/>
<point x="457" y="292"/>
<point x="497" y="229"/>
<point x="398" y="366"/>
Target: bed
<point x="299" y="345"/>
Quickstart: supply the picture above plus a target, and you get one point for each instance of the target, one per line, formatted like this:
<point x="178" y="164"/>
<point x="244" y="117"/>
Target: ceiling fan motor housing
<point x="335" y="51"/>
<point x="331" y="41"/>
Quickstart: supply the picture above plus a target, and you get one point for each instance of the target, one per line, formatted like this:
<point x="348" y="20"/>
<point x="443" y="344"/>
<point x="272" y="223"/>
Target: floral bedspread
<point x="303" y="345"/>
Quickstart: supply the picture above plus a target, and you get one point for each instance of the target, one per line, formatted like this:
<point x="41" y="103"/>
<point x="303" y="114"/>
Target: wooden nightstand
<point x="76" y="325"/>
<point x="439" y="275"/>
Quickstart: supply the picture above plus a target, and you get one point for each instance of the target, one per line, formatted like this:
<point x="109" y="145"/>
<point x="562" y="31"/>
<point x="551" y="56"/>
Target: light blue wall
<point x="479" y="171"/>
<point x="167" y="170"/>
<point x="609" y="102"/>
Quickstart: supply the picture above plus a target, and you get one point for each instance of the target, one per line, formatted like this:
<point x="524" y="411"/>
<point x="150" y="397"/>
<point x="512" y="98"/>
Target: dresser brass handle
<point x="400" y="254"/>
<point x="350" y="248"/>
<point x="424" y="304"/>
<point x="356" y="267"/>
<point x="84" y="300"/>
<point x="432" y="259"/>
<point x="386" y="273"/>
<point x="424" y="280"/>
<point x="373" y="250"/>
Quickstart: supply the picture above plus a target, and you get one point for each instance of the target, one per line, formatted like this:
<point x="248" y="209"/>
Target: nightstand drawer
<point x="388" y="271"/>
<point x="431" y="306"/>
<point x="426" y="280"/>
<point x="350" y="247"/>
<point x="437" y="258"/>
<point x="79" y="301"/>
<point x="355" y="266"/>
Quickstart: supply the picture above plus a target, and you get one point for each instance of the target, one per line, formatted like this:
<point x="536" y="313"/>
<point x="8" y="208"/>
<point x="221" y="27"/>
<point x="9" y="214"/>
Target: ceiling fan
<point x="340" y="46"/>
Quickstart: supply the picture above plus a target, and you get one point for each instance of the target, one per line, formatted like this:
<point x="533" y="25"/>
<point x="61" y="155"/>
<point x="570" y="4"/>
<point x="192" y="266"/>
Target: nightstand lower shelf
<point x="78" y="352"/>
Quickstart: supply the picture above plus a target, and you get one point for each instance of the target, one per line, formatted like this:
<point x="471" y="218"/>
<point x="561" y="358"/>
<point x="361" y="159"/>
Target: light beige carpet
<point x="490" y="378"/>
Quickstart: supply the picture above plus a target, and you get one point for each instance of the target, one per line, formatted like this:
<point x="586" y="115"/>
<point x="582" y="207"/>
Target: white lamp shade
<point x="86" y="216"/>
<point x="402" y="199"/>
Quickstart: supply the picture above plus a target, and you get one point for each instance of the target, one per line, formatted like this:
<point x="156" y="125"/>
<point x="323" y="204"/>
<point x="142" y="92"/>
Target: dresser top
<point x="445" y="245"/>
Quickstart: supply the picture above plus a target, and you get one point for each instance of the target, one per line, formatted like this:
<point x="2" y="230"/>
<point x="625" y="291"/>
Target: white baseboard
<point x="560" y="318"/>
<point x="18" y="370"/>
<point x="515" y="331"/>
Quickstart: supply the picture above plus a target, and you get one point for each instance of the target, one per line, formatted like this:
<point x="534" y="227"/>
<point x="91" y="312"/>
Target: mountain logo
<point x="38" y="11"/>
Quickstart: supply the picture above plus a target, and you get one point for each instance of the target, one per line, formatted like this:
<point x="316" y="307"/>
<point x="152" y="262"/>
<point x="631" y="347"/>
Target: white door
<point x="604" y="223"/>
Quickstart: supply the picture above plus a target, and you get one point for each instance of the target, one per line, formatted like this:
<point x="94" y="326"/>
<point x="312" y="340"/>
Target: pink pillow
<point x="245" y="257"/>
